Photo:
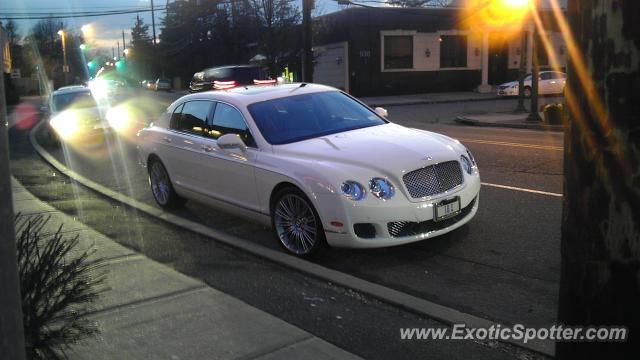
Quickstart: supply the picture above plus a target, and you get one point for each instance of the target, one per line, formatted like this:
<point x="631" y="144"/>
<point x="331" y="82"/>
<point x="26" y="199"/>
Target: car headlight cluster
<point x="380" y="188"/>
<point x="353" y="190"/>
<point x="468" y="162"/>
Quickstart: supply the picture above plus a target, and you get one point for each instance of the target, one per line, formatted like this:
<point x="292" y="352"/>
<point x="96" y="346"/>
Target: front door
<point x="498" y="59"/>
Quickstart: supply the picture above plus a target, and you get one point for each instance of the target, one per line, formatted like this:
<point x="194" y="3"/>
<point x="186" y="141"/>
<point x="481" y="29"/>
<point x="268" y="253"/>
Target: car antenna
<point x="301" y="86"/>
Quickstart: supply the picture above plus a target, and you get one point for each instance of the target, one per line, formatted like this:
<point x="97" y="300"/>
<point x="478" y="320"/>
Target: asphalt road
<point x="503" y="265"/>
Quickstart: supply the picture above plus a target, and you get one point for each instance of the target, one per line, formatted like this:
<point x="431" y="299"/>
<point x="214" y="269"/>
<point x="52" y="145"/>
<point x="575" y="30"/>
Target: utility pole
<point x="113" y="52"/>
<point x="534" y="116"/>
<point x="153" y="23"/>
<point x="307" y="56"/>
<point x="65" y="65"/>
<point x="523" y="56"/>
<point x="124" y="46"/>
<point x="11" y="329"/>
<point x="118" y="43"/>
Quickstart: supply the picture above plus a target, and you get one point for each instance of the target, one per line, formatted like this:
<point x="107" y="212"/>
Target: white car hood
<point x="387" y="149"/>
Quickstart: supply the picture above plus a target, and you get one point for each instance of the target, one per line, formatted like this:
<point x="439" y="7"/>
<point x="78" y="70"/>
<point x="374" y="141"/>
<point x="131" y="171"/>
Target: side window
<point x="545" y="76"/>
<point x="228" y="120"/>
<point x="174" y="123"/>
<point x="194" y="117"/>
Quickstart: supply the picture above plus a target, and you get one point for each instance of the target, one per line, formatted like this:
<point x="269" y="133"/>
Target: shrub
<point x="57" y="286"/>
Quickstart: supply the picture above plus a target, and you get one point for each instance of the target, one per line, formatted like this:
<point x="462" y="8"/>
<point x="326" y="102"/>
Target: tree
<point x="277" y="18"/>
<point x="141" y="49"/>
<point x="419" y="3"/>
<point x="600" y="279"/>
<point x="12" y="32"/>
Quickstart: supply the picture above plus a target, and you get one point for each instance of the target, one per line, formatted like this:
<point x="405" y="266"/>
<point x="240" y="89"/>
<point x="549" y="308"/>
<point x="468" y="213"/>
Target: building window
<point x="398" y="52"/>
<point x="453" y="51"/>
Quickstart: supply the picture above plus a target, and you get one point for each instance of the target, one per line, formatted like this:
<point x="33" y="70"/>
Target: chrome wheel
<point x="160" y="184"/>
<point x="296" y="224"/>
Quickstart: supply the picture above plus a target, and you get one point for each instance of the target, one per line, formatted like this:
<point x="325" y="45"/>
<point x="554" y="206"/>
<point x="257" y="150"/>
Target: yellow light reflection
<point x="496" y="15"/>
<point x="126" y="119"/>
<point x="66" y="125"/>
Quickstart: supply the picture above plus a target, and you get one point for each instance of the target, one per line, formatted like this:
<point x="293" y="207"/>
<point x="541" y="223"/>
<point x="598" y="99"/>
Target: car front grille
<point x="433" y="179"/>
<point x="412" y="228"/>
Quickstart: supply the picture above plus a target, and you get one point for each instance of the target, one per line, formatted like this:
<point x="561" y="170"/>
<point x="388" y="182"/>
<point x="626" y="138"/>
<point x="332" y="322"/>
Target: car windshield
<point x="300" y="117"/>
<point x="81" y="99"/>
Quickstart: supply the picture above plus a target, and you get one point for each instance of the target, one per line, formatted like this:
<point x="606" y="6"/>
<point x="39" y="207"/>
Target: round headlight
<point x="466" y="164"/>
<point x="381" y="188"/>
<point x="353" y="190"/>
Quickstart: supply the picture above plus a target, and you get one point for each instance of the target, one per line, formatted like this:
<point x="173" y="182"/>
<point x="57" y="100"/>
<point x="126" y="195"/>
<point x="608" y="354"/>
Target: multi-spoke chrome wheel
<point x="161" y="185"/>
<point x="296" y="224"/>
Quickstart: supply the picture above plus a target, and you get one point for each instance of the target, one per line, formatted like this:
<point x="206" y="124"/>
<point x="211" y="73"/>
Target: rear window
<point x="81" y="99"/>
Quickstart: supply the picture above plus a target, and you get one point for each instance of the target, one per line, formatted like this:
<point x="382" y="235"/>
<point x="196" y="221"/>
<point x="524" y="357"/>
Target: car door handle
<point x="207" y="148"/>
<point x="166" y="139"/>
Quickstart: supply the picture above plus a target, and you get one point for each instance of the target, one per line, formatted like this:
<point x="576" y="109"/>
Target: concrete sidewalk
<point x="430" y="98"/>
<point x="153" y="312"/>
<point x="507" y="120"/>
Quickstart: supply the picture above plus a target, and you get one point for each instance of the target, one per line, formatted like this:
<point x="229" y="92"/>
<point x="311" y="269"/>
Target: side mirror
<point x="382" y="112"/>
<point x="231" y="141"/>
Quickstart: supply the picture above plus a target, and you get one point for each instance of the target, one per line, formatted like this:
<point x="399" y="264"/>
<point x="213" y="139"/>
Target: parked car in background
<point x="149" y="84"/>
<point x="226" y="77"/>
<point x="319" y="166"/>
<point x="162" y="84"/>
<point x="74" y="114"/>
<point x="550" y="82"/>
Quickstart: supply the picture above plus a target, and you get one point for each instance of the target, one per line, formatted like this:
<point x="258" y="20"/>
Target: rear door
<point x="230" y="175"/>
<point x="182" y="156"/>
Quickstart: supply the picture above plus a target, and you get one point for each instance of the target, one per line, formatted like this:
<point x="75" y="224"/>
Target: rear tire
<point x="161" y="187"/>
<point x="296" y="224"/>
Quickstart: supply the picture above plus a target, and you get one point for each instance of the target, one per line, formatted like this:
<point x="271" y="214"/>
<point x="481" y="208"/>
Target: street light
<point x="83" y="47"/>
<point x="65" y="66"/>
<point x="85" y="29"/>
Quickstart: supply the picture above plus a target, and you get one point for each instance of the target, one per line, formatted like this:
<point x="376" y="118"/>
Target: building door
<point x="332" y="65"/>
<point x="498" y="59"/>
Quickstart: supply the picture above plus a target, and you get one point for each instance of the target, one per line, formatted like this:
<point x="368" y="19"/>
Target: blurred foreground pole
<point x="534" y="116"/>
<point x="11" y="332"/>
<point x="307" y="56"/>
<point x="600" y="271"/>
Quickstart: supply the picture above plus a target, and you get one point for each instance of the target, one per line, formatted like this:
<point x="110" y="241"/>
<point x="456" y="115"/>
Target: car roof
<point x="245" y="95"/>
<point x="70" y="89"/>
<point x="231" y="67"/>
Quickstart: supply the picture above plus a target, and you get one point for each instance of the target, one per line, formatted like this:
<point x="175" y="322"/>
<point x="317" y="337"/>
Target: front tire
<point x="296" y="224"/>
<point x="161" y="187"/>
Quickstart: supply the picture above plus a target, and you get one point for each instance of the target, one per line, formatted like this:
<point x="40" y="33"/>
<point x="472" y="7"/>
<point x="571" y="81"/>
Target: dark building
<point x="391" y="51"/>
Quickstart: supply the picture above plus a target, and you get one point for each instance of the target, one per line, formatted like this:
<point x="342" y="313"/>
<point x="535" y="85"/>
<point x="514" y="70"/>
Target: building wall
<point x="364" y="30"/>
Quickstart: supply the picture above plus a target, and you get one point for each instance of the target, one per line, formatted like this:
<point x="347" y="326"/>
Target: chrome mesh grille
<point x="410" y="228"/>
<point x="433" y="179"/>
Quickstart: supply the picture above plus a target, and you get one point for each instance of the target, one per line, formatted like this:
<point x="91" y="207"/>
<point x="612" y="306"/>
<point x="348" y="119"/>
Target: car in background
<point x="550" y="82"/>
<point x="319" y="166"/>
<point x="148" y="84"/>
<point x="226" y="77"/>
<point x="162" y="84"/>
<point x="74" y="114"/>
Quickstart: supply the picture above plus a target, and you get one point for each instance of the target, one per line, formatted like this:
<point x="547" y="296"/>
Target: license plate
<point x="447" y="208"/>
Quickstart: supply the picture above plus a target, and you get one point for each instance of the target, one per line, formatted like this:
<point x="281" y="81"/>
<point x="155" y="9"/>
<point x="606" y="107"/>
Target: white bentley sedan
<point x="316" y="164"/>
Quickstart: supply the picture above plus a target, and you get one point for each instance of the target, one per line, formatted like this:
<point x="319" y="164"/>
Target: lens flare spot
<point x="66" y="124"/>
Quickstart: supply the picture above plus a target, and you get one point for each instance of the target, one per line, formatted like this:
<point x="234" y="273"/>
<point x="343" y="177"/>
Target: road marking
<point x="503" y="143"/>
<point x="522" y="189"/>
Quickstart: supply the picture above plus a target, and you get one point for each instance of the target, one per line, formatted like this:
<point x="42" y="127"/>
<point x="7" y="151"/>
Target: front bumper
<point x="415" y="218"/>
<point x="508" y="92"/>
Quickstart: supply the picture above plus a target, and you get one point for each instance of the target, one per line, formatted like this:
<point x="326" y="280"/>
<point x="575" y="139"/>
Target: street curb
<point x="427" y="102"/>
<point x="408" y="302"/>
<point x="466" y="121"/>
